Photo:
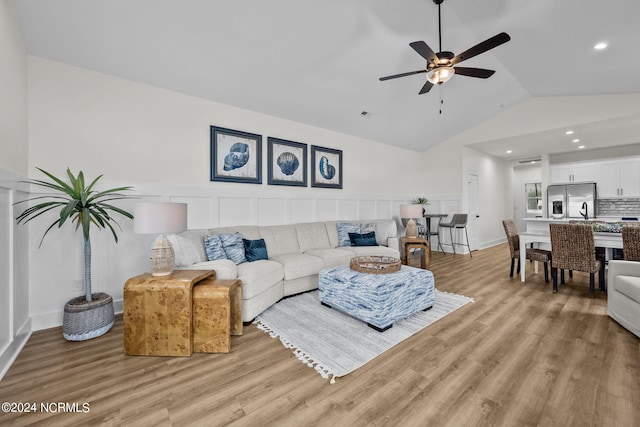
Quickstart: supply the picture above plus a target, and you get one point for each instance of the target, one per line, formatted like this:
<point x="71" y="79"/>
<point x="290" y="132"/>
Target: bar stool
<point x="457" y="222"/>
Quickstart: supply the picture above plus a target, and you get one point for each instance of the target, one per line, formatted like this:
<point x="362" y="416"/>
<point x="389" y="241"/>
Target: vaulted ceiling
<point x="319" y="63"/>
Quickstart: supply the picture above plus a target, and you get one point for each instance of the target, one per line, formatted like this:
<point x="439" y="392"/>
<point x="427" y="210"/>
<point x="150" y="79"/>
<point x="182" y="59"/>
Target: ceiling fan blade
<point x="480" y="73"/>
<point x="425" y="51"/>
<point x="426" y="88"/>
<point x="395" y="76"/>
<point x="482" y="47"/>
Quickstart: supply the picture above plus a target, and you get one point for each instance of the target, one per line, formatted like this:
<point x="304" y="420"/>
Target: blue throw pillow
<point x="233" y="247"/>
<point x="366" y="239"/>
<point x="255" y="249"/>
<point x="344" y="228"/>
<point x="213" y="248"/>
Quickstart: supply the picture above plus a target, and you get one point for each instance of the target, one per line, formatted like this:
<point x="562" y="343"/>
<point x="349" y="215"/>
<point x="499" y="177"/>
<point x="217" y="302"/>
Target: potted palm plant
<point x="91" y="315"/>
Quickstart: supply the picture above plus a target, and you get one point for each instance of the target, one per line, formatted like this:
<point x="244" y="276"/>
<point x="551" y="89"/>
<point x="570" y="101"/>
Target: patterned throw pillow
<point x="368" y="227"/>
<point x="344" y="228"/>
<point x="364" y="239"/>
<point x="233" y="247"/>
<point x="213" y="247"/>
<point x="255" y="249"/>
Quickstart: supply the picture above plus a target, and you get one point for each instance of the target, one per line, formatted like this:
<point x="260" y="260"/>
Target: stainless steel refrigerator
<point x="572" y="200"/>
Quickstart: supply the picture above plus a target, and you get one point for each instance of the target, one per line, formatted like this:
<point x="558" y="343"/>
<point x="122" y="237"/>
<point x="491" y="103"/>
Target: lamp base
<point x="162" y="257"/>
<point x="412" y="229"/>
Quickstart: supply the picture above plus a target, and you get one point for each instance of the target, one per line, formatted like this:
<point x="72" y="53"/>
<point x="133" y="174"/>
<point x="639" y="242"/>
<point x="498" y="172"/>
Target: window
<point x="533" y="194"/>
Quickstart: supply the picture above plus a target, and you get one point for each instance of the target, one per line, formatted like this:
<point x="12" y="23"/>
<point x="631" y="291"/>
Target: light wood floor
<point x="520" y="355"/>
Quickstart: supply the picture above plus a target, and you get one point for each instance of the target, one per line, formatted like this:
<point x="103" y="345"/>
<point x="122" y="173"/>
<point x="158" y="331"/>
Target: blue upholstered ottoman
<point x="378" y="299"/>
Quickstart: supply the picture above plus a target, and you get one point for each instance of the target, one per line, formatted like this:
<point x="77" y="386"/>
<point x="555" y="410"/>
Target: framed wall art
<point x="287" y="162"/>
<point x="235" y="156"/>
<point x="326" y="166"/>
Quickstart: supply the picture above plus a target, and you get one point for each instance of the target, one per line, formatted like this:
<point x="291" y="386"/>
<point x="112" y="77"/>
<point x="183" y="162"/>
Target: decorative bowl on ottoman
<point x="375" y="264"/>
<point x="377" y="299"/>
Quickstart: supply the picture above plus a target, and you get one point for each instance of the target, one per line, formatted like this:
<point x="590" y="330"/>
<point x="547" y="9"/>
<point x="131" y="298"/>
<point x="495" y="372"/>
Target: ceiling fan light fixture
<point x="440" y="75"/>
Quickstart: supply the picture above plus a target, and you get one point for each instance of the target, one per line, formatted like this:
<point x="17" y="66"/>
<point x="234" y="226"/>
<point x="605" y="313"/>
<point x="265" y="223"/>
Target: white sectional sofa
<point x="296" y="254"/>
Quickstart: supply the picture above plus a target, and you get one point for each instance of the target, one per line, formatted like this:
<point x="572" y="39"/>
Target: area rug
<point x="336" y="344"/>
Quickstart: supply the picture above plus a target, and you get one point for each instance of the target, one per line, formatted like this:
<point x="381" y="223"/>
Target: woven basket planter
<point x="85" y="320"/>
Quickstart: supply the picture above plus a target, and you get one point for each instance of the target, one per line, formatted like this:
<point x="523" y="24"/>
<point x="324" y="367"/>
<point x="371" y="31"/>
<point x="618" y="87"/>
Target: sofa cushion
<point x="298" y="265"/>
<point x="255" y="250"/>
<point x="233" y="247"/>
<point x="629" y="286"/>
<point x="188" y="247"/>
<point x="213" y="247"/>
<point x="384" y="230"/>
<point x="344" y="228"/>
<point x="259" y="276"/>
<point x="280" y="239"/>
<point x="374" y="250"/>
<point x="225" y="268"/>
<point x="249" y="232"/>
<point x="333" y="256"/>
<point x="363" y="239"/>
<point x="312" y="236"/>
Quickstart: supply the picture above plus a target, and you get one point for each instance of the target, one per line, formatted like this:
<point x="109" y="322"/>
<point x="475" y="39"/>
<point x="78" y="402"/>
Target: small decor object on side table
<point x="92" y="315"/>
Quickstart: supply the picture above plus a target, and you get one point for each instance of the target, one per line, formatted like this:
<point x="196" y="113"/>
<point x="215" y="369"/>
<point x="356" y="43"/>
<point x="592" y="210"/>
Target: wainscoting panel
<point x="302" y="210"/>
<point x="236" y="211"/>
<point x="200" y="212"/>
<point x="368" y="209"/>
<point x="273" y="211"/>
<point x="6" y="282"/>
<point x="327" y="210"/>
<point x="348" y="210"/>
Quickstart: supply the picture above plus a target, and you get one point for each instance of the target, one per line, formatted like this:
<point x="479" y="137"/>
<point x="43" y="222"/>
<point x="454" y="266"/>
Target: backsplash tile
<point x="618" y="207"/>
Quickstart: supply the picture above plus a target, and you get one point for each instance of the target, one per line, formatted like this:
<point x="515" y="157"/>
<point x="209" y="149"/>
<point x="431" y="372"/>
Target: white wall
<point x="15" y="326"/>
<point x="158" y="141"/>
<point x="13" y="89"/>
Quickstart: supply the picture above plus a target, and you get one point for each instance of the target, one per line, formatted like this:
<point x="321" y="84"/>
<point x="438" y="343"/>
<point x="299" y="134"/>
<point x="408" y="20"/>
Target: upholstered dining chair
<point x="572" y="248"/>
<point x="532" y="254"/>
<point x="631" y="243"/>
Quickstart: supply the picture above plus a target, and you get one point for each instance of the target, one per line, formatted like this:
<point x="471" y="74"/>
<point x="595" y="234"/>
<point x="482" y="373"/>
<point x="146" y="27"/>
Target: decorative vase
<point x="85" y="320"/>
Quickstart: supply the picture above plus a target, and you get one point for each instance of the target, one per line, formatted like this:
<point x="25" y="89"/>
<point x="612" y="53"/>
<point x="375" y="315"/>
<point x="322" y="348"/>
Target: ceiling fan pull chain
<point x="441" y="100"/>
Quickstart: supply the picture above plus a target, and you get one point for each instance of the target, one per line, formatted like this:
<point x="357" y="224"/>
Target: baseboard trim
<point x="13" y="350"/>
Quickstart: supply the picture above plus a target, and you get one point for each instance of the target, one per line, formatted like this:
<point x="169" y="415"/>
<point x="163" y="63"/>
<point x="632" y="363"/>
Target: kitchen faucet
<point x="585" y="215"/>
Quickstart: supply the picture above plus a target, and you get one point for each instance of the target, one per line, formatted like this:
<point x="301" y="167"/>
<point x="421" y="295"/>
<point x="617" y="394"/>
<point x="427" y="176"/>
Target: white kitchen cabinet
<point x="572" y="172"/>
<point x="618" y="179"/>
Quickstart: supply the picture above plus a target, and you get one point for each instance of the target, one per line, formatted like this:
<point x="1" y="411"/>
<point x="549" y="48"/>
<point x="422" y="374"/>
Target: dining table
<point x="606" y="240"/>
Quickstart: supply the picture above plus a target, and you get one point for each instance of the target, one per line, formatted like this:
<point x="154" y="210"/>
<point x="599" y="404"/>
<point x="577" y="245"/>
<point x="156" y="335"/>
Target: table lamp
<point x="160" y="217"/>
<point x="411" y="212"/>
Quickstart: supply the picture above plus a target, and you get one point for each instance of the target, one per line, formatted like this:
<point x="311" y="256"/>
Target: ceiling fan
<point x="440" y="66"/>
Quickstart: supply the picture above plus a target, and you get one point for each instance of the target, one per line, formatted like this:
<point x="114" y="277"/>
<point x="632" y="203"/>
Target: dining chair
<point x="631" y="243"/>
<point x="532" y="254"/>
<point x="458" y="221"/>
<point x="572" y="248"/>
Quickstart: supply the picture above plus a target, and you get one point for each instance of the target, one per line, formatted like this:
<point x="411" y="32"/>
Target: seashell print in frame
<point x="287" y="162"/>
<point x="326" y="166"/>
<point x="235" y="156"/>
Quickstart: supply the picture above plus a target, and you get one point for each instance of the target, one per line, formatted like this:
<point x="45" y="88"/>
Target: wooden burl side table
<point x="217" y="314"/>
<point x="408" y="243"/>
<point x="158" y="313"/>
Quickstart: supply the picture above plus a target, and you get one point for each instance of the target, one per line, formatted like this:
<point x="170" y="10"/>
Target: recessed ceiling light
<point x="581" y="146"/>
<point x="509" y="151"/>
<point x="533" y="162"/>
<point x="576" y="140"/>
<point x="569" y="132"/>
<point x="600" y="46"/>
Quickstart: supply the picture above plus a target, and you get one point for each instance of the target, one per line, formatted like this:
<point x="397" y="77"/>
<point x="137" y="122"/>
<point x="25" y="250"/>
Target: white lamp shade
<point x="411" y="211"/>
<point x="159" y="217"/>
